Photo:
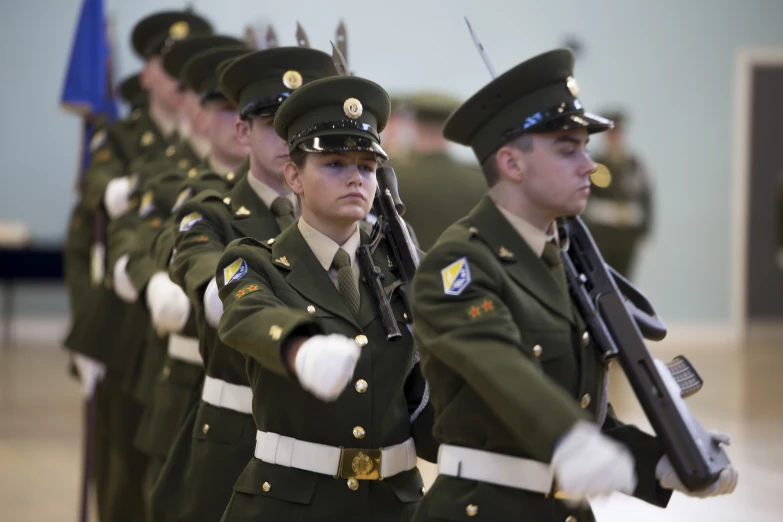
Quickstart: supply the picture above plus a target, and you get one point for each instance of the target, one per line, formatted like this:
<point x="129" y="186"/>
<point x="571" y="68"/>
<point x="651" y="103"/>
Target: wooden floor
<point x="40" y="435"/>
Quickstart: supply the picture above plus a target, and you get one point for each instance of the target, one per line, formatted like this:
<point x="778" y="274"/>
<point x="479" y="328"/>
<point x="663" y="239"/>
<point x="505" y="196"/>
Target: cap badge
<point x="573" y="87"/>
<point x="179" y="30"/>
<point x="350" y="142"/>
<point x="292" y="80"/>
<point x="352" y="108"/>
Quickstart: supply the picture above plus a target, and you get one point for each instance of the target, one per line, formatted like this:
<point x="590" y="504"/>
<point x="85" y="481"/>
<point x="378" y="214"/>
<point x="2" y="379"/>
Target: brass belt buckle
<point x="557" y="493"/>
<point x="361" y="464"/>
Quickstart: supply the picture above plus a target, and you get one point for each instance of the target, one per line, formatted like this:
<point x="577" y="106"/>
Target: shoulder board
<point x="249" y="241"/>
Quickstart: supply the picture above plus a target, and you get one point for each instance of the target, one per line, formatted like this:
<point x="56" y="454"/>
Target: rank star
<point x="474" y="312"/>
<point x="487" y="305"/>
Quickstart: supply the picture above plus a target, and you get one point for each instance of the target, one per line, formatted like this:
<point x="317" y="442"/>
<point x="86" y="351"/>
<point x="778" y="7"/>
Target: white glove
<point x="122" y="283"/>
<point x="325" y="364"/>
<point x="727" y="480"/>
<point x="115" y="199"/>
<point x="587" y="463"/>
<point x="91" y="372"/>
<point x="168" y="304"/>
<point x="213" y="306"/>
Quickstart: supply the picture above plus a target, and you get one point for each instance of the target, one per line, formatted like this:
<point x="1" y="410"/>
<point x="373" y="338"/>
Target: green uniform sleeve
<point x="255" y="321"/>
<point x="199" y="241"/>
<point x="419" y="406"/>
<point x="485" y="351"/>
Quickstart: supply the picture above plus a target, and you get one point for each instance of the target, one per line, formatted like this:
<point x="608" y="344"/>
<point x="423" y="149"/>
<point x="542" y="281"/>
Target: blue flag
<point x="87" y="89"/>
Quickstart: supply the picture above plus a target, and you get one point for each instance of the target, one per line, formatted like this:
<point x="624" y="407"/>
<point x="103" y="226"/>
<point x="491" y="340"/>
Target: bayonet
<point x="301" y="36"/>
<point x="481" y="51"/>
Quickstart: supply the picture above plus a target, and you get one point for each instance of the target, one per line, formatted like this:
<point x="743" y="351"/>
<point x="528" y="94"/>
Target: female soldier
<point x="295" y="306"/>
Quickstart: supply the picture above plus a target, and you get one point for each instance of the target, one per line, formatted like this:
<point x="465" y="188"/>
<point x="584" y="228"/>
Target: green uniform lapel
<point x="518" y="258"/>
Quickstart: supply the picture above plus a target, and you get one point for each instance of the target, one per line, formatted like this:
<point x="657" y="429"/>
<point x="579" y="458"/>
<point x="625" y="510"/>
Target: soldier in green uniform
<point x="338" y="406"/>
<point x="168" y="308"/>
<point x="437" y="189"/>
<point x="205" y="462"/>
<point x="96" y="334"/>
<point x="517" y="384"/>
<point x="172" y="348"/>
<point x="619" y="212"/>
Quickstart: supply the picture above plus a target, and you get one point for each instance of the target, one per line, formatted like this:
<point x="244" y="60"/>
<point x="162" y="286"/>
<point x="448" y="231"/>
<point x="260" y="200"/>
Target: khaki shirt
<point x="325" y="248"/>
<point x="533" y="236"/>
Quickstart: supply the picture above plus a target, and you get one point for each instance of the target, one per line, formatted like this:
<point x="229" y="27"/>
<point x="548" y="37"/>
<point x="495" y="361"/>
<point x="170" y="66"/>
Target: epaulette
<point x="249" y="241"/>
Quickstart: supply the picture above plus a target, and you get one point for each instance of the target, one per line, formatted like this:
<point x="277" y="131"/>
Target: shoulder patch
<point x="235" y="271"/>
<point x="181" y="198"/>
<point x="98" y="139"/>
<point x="147" y="204"/>
<point x="456" y="277"/>
<point x="189" y="220"/>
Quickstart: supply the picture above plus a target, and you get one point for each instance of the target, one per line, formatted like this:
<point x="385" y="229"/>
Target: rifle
<point x="619" y="318"/>
<point x="405" y="253"/>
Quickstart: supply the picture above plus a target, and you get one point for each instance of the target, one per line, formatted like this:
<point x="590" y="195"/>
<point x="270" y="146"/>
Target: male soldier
<point x="172" y="371"/>
<point x="212" y="457"/>
<point x="135" y="271"/>
<point x="436" y="189"/>
<point x="619" y="212"/>
<point x="516" y="381"/>
<point x="96" y="333"/>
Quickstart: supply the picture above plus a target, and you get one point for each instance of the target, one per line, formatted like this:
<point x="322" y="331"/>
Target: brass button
<point x="471" y="510"/>
<point x="585" y="338"/>
<point x="361" y="340"/>
<point x="270" y="241"/>
<point x="310" y="309"/>
<point x="358" y="432"/>
<point x="423" y="490"/>
<point x="353" y="484"/>
<point x="537" y="350"/>
<point x="361" y="386"/>
<point x="571" y="519"/>
<point x="405" y="315"/>
<point x="205" y="429"/>
<point x="192" y="172"/>
<point x="230" y="176"/>
<point x="585" y="400"/>
<point x="166" y="372"/>
<point x="171" y="150"/>
<point x="266" y="486"/>
<point x="227" y="200"/>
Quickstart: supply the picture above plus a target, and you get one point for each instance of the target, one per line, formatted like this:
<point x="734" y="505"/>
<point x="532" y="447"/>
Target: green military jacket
<point x="97" y="312"/>
<point x="285" y="292"/>
<point x="437" y="191"/>
<point x="166" y="385"/>
<point x="510" y="365"/>
<point x="205" y="462"/>
<point x="209" y="222"/>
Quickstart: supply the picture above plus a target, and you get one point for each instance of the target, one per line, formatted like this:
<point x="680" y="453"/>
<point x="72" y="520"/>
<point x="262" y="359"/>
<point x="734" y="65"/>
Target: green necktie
<point x="345" y="281"/>
<point x="551" y="257"/>
<point x="283" y="210"/>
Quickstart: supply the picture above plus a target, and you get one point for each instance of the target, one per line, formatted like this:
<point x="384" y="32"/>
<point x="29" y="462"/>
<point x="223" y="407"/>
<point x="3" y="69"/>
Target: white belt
<point x="185" y="349"/>
<point x="226" y="395"/>
<point x="361" y="464"/>
<point x="495" y="468"/>
<point x="612" y="213"/>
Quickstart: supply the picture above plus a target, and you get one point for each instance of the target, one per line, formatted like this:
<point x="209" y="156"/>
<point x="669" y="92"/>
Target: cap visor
<point x="342" y="143"/>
